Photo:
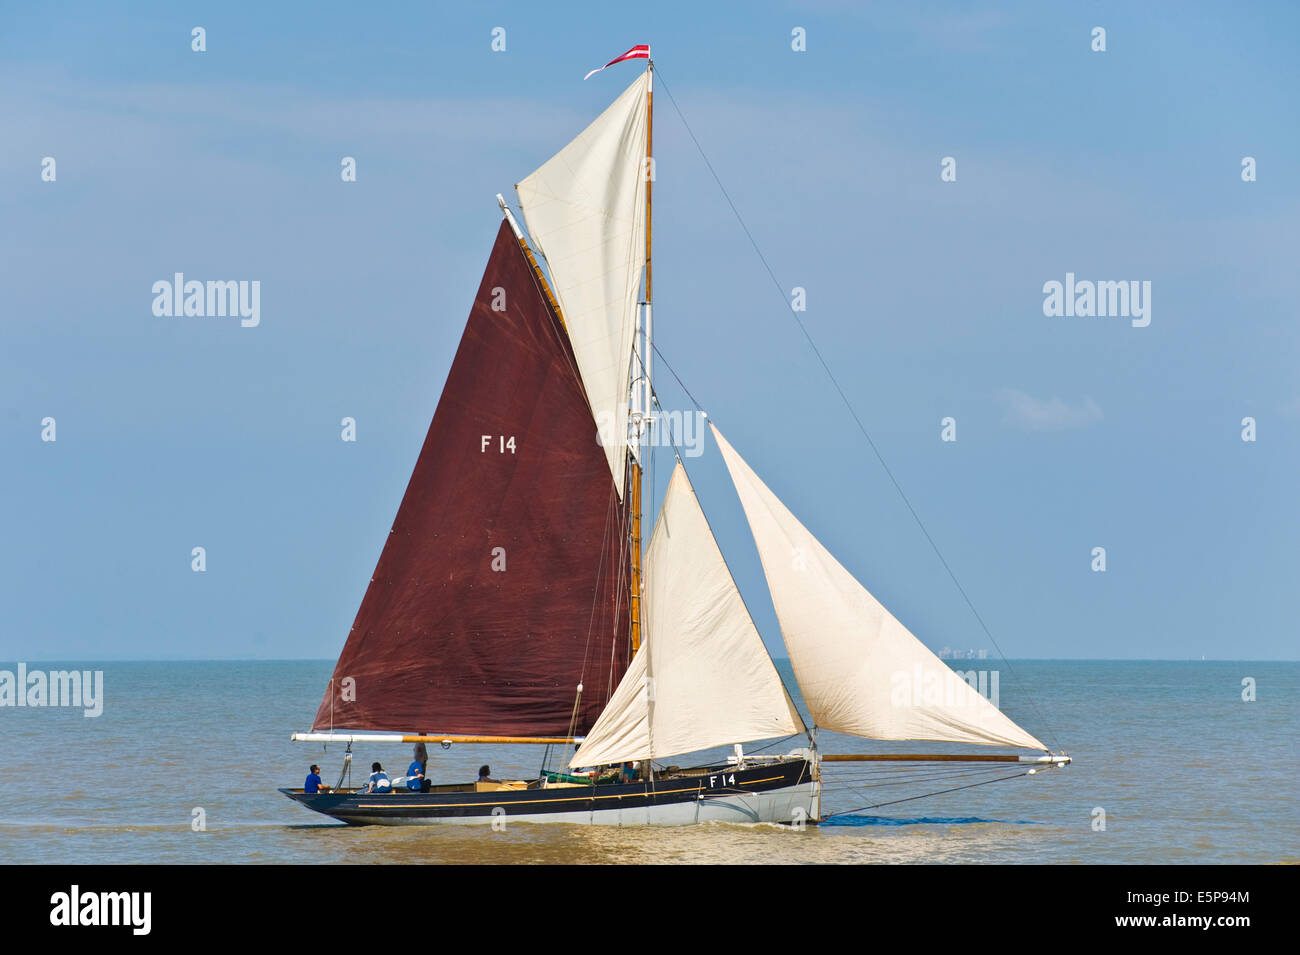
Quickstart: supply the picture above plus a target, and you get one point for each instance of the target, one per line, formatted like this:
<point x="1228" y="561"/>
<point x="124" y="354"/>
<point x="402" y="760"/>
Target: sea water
<point x="1174" y="762"/>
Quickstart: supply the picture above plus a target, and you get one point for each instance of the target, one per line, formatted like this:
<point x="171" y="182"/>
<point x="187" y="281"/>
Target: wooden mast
<point x="634" y="467"/>
<point x="634" y="509"/>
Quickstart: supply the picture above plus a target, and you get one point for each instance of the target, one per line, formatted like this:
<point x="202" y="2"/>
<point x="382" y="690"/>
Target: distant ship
<point x="512" y="602"/>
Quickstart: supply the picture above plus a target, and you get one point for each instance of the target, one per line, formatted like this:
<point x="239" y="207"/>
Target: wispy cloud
<point x="1037" y="414"/>
<point x="117" y="126"/>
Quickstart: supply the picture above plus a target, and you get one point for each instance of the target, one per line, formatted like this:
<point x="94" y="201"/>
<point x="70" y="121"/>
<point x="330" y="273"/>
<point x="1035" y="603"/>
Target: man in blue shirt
<point x="313" y="785"/>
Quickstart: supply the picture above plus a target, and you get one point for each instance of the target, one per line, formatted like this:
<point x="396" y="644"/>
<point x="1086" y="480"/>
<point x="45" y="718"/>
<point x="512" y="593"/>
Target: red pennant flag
<point x="641" y="52"/>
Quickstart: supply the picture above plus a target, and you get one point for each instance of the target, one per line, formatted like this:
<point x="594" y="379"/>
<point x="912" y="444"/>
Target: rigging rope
<point x="894" y="802"/>
<point x="849" y="405"/>
<point x="859" y="781"/>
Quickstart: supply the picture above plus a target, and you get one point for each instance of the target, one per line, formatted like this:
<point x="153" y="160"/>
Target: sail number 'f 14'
<point x="504" y="444"/>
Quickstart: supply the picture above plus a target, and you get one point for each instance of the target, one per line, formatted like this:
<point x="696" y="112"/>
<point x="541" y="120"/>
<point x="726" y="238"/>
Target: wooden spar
<point x="634" y="511"/>
<point x="528" y="253"/>
<point x="634" y="467"/>
<point x="917" y="757"/>
<point x="426" y="738"/>
<point x="938" y="758"/>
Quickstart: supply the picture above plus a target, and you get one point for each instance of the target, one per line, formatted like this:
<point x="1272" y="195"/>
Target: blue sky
<point x="925" y="296"/>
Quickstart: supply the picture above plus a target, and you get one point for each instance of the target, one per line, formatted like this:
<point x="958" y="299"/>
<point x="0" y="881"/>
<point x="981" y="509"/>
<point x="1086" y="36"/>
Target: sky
<point x="925" y="296"/>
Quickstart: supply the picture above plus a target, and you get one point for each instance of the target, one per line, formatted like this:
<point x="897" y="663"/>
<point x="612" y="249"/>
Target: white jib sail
<point x="702" y="678"/>
<point x="860" y="670"/>
<point x="585" y="210"/>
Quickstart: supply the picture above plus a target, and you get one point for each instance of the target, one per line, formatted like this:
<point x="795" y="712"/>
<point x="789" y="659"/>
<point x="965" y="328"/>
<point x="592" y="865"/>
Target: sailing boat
<point x="512" y="604"/>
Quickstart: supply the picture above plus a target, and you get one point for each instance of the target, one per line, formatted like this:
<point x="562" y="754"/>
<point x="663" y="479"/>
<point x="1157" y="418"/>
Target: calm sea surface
<point x="1184" y="770"/>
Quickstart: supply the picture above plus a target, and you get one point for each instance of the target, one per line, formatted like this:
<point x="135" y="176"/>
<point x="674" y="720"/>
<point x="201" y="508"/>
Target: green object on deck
<point x="566" y="778"/>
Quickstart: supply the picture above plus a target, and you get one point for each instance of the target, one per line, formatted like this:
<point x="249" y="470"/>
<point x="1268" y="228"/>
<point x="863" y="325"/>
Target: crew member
<point x="313" y="785"/>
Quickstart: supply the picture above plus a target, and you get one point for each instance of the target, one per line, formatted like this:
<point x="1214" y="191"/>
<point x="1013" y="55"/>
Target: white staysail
<point x="585" y="210"/>
<point x="702" y="678"/>
<point x="860" y="670"/>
